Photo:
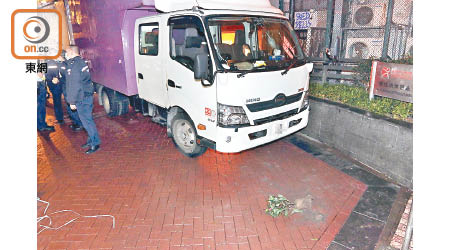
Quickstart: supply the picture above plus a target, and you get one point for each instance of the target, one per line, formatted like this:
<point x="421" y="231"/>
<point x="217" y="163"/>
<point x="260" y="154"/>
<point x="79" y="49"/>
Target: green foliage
<point x="359" y="97"/>
<point x="277" y="205"/>
<point x="364" y="68"/>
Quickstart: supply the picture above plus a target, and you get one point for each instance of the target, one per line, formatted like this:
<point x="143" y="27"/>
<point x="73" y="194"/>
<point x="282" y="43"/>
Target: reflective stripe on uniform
<point x="52" y="67"/>
<point x="85" y="68"/>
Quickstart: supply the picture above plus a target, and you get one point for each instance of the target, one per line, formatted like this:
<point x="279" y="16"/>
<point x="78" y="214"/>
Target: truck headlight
<point x="231" y="115"/>
<point x="305" y="102"/>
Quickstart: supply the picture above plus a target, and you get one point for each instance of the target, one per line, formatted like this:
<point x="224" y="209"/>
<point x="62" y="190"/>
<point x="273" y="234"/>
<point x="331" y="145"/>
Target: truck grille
<point x="260" y="106"/>
<point x="272" y="118"/>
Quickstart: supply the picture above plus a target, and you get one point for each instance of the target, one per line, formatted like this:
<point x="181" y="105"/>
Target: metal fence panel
<point x="358" y="28"/>
<point x="401" y="33"/>
<point x="314" y="44"/>
<point x="363" y="28"/>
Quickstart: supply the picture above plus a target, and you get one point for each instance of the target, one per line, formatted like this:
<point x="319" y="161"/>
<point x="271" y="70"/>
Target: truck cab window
<point x="148" y="39"/>
<point x="187" y="38"/>
<point x="254" y="43"/>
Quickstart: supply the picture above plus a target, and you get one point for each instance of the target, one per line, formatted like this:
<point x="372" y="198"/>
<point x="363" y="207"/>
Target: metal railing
<point x="340" y="73"/>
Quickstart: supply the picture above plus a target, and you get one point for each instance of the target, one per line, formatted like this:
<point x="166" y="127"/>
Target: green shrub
<point x="358" y="97"/>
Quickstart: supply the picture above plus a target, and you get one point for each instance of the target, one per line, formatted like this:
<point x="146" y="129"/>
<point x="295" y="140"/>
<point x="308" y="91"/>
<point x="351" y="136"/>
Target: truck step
<point x="160" y="120"/>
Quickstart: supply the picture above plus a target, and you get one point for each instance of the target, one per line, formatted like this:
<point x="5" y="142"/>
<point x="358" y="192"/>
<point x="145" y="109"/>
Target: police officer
<point x="56" y="75"/>
<point x="41" y="100"/>
<point x="53" y="71"/>
<point x="80" y="91"/>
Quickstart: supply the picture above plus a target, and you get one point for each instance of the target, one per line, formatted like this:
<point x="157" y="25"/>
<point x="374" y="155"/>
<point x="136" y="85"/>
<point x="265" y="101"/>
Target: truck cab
<point x="230" y="78"/>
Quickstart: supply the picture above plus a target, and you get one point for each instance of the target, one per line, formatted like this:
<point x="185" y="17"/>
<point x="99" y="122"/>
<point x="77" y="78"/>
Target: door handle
<point x="172" y="84"/>
<point x="140" y="76"/>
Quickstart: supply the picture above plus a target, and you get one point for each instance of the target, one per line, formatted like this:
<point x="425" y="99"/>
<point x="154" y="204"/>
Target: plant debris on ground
<point x="279" y="204"/>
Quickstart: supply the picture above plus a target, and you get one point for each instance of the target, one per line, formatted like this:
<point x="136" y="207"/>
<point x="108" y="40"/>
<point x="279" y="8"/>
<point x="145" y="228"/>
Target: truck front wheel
<point x="185" y="136"/>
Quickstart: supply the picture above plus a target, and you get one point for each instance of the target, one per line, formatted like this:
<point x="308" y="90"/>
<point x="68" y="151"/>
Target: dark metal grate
<point x="260" y="106"/>
<point x="272" y="118"/>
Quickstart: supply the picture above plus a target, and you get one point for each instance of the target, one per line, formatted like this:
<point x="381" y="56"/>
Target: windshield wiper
<point x="296" y="60"/>
<point x="250" y="71"/>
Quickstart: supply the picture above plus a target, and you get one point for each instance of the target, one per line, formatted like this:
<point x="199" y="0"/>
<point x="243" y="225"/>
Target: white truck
<point x="226" y="74"/>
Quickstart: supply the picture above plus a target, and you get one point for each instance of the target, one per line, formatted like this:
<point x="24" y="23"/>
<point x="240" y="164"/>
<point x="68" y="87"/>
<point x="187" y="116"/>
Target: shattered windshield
<point x="251" y="43"/>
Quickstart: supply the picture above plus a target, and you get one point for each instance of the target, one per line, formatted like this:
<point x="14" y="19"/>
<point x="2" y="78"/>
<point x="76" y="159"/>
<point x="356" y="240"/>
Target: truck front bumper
<point x="231" y="140"/>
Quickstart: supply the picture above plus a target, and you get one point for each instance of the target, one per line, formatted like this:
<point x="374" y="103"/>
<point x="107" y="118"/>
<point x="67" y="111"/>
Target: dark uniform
<point x="58" y="69"/>
<point x="80" y="91"/>
<point x="53" y="70"/>
<point x="41" y="100"/>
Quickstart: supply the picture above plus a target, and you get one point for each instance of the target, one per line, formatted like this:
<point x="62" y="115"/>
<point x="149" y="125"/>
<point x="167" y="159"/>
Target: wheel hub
<point x="106" y="104"/>
<point x="184" y="135"/>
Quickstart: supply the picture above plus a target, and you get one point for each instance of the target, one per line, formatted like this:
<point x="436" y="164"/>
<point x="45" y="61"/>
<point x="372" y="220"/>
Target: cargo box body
<point x="104" y="31"/>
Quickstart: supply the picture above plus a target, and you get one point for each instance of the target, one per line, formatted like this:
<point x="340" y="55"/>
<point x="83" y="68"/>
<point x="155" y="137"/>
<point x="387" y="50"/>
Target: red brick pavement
<point x="399" y="237"/>
<point x="163" y="200"/>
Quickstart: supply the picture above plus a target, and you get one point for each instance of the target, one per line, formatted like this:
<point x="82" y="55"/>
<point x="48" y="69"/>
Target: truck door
<point x="187" y="39"/>
<point x="150" y="61"/>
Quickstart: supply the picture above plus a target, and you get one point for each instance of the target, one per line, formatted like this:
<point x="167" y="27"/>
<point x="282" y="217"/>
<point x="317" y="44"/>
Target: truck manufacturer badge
<point x="280" y="100"/>
<point x="253" y="100"/>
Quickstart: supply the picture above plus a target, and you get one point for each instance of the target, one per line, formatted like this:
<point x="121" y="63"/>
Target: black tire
<point x="110" y="102"/>
<point x="113" y="103"/>
<point x="184" y="136"/>
<point x="124" y="106"/>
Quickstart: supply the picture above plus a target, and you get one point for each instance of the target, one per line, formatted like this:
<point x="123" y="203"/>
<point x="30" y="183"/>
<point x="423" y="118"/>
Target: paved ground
<point x="163" y="200"/>
<point x="399" y="238"/>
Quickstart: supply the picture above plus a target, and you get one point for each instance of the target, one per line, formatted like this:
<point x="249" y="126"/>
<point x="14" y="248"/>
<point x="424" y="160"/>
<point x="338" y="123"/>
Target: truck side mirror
<point x="201" y="71"/>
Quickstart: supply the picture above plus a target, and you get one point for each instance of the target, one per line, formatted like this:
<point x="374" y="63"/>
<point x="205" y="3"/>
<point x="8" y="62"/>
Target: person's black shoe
<point x="92" y="149"/>
<point x="60" y="122"/>
<point x="75" y="127"/>
<point x="86" y="145"/>
<point x="48" y="128"/>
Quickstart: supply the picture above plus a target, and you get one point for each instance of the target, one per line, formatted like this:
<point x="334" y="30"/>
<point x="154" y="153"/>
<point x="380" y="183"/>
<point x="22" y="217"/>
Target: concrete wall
<point x="383" y="144"/>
